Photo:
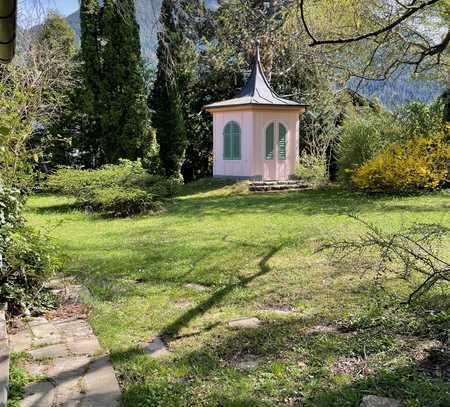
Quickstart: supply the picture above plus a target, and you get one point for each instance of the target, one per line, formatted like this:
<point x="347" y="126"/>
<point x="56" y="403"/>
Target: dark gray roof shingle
<point x="257" y="91"/>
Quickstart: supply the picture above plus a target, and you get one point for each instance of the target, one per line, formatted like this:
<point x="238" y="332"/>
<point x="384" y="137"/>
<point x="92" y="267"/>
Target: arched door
<point x="275" y="151"/>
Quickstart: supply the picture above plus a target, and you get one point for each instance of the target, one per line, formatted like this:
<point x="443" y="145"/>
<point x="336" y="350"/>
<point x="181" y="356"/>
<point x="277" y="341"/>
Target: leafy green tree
<point x="33" y="94"/>
<point x="57" y="34"/>
<point x="55" y="138"/>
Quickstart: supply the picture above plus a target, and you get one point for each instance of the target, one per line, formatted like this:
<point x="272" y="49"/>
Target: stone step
<point x="274" y="191"/>
<point x="276" y="186"/>
<point x="287" y="182"/>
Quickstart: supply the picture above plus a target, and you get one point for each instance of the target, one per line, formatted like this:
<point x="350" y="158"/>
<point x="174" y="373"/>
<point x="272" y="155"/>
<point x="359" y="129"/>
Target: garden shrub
<point x="421" y="163"/>
<point x="312" y="169"/>
<point x="120" y="202"/>
<point x="124" y="189"/>
<point x="362" y="136"/>
<point x="75" y="181"/>
<point x="27" y="259"/>
<point x="419" y="119"/>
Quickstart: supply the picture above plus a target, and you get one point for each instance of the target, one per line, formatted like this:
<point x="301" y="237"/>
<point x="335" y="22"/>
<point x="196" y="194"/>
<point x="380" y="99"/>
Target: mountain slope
<point x="399" y="89"/>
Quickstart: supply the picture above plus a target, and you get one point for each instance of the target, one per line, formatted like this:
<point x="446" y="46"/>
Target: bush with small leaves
<point x="120" y="202"/>
<point x="312" y="169"/>
<point x="125" y="189"/>
<point x="27" y="258"/>
<point x="76" y="181"/>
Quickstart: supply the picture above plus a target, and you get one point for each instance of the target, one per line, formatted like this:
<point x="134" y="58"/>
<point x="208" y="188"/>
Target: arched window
<point x="281" y="142"/>
<point x="270" y="130"/>
<point x="232" y="141"/>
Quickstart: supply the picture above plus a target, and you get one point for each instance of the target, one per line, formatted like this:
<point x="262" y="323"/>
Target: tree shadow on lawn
<point x="294" y="368"/>
<point x="326" y="201"/>
<point x="279" y="346"/>
<point x="57" y="209"/>
<point x="205" y="185"/>
<point x="169" y="265"/>
<point x="308" y="202"/>
<point x="174" y="328"/>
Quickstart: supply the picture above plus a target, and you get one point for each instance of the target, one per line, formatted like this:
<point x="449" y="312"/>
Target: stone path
<point x="375" y="401"/>
<point x="155" y="348"/>
<point x="66" y="358"/>
<point x="251" y="322"/>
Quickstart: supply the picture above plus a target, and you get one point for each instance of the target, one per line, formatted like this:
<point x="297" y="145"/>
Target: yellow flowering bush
<point x="420" y="163"/>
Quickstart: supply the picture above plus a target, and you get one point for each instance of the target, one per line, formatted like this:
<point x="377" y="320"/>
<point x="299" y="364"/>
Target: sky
<point x="32" y="11"/>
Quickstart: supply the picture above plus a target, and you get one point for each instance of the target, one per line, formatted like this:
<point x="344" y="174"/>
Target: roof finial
<point x="258" y="57"/>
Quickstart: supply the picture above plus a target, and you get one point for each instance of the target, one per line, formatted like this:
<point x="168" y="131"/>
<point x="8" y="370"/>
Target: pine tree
<point x="91" y="73"/>
<point x="125" y="116"/>
<point x="167" y="98"/>
<point x="115" y="121"/>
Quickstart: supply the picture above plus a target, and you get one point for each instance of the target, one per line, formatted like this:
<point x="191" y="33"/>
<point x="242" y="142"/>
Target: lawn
<point x="255" y="256"/>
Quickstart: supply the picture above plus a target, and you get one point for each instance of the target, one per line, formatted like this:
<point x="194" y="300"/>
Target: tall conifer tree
<point x="167" y="97"/>
<point x="92" y="75"/>
<point x="116" y="120"/>
<point x="125" y="116"/>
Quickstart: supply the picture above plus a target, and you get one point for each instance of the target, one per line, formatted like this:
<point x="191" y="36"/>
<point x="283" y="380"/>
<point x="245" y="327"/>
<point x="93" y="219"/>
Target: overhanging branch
<point x="411" y="10"/>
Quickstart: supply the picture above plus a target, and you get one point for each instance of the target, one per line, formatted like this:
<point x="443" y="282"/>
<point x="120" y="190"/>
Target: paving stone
<point x="323" y="329"/>
<point x="52" y="352"/>
<point x="89" y="346"/>
<point x="20" y="341"/>
<point x="244" y="323"/>
<point x="37" y="321"/>
<point x="75" y="378"/>
<point x="197" y="287"/>
<point x="74" y="327"/>
<point x="100" y="385"/>
<point x="4" y="371"/>
<point x="47" y="340"/>
<point x="375" y="401"/>
<point x="42" y="328"/>
<point x="183" y="304"/>
<point x="36" y="369"/>
<point x="156" y="348"/>
<point x="39" y="394"/>
<point x="247" y="362"/>
<point x="281" y="311"/>
<point x="67" y="374"/>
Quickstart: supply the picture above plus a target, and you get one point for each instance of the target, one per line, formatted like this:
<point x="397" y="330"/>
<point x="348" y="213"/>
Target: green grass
<point x="255" y="253"/>
<point x="18" y="379"/>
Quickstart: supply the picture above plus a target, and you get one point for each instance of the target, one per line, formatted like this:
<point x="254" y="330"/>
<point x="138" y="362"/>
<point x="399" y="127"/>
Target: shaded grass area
<point x="255" y="255"/>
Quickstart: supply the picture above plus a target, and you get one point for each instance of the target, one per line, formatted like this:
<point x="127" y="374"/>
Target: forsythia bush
<point x="420" y="163"/>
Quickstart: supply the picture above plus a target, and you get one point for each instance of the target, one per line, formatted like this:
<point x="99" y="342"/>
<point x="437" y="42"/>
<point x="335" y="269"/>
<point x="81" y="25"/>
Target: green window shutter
<point x="282" y="142"/>
<point x="232" y="141"/>
<point x="236" y="146"/>
<point x="269" y="141"/>
<point x="227" y="142"/>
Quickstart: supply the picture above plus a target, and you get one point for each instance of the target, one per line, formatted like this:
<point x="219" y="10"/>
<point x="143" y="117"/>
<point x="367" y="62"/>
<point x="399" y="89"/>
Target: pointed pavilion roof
<point x="257" y="91"/>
